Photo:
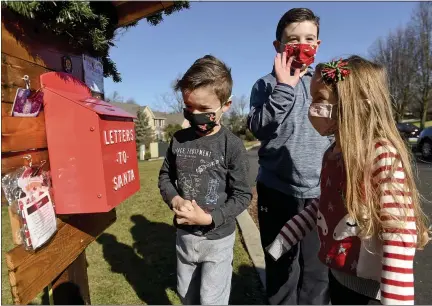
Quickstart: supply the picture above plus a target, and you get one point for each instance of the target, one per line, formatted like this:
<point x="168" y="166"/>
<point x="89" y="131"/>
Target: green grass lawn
<point x="250" y="143"/>
<point x="134" y="261"/>
<point x="427" y="123"/>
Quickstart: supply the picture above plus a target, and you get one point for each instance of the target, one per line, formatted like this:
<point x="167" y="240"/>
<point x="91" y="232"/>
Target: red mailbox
<point x="91" y="146"/>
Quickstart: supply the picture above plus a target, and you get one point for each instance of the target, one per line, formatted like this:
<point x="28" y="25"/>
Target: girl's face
<point x="323" y="109"/>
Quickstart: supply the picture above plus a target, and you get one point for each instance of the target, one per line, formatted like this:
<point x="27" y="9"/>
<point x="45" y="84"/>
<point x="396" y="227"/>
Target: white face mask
<point x="323" y="118"/>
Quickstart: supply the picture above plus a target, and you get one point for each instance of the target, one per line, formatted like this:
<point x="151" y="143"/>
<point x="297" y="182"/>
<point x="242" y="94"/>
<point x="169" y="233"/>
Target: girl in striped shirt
<point x="369" y="215"/>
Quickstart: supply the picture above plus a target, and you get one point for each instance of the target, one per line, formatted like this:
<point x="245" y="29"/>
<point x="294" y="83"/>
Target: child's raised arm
<point x="399" y="230"/>
<point x="294" y="230"/>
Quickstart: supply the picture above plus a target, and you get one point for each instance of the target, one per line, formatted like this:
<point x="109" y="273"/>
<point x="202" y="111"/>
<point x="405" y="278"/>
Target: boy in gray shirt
<point x="290" y="159"/>
<point x="204" y="180"/>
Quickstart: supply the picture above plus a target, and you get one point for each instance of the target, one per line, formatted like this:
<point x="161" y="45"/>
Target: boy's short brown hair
<point x="208" y="71"/>
<point x="296" y="15"/>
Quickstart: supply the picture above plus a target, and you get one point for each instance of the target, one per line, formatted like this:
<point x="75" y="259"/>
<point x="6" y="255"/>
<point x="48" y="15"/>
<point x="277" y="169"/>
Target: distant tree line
<point x="406" y="52"/>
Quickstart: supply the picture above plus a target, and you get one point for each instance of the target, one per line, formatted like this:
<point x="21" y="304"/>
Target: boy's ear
<point x="226" y="106"/>
<point x="318" y="44"/>
<point x="277" y="45"/>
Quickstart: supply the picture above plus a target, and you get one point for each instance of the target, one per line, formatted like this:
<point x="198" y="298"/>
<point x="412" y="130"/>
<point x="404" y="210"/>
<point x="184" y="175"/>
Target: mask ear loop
<point x="334" y="111"/>
<point x="229" y="100"/>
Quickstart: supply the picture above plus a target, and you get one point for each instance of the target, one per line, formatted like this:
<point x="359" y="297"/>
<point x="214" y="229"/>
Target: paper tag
<point x="39" y="218"/>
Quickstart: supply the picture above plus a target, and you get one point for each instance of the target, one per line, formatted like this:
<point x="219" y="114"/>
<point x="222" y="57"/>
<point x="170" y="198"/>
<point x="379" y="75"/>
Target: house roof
<point x="174" y="119"/>
<point x="159" y="115"/>
<point x="169" y="118"/>
<point x="130" y="108"/>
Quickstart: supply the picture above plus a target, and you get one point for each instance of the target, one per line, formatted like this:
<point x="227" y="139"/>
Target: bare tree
<point x="422" y="27"/>
<point x="172" y="100"/>
<point x="131" y="101"/>
<point x="395" y="53"/>
<point x="239" y="105"/>
<point x="237" y="115"/>
<point x="115" y="97"/>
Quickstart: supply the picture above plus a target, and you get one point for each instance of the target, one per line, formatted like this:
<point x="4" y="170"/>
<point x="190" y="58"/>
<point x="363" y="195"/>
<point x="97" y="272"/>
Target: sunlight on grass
<point x="134" y="261"/>
<point x="427" y="123"/>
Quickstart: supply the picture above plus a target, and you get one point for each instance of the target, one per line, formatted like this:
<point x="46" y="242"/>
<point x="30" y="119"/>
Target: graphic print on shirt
<point x="321" y="223"/>
<point x="203" y="167"/>
<point x="368" y="264"/>
<point x="212" y="195"/>
<point x="189" y="183"/>
<point x="194" y="173"/>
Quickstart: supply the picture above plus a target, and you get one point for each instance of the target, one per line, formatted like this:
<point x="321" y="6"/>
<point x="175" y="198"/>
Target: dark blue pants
<point x="298" y="277"/>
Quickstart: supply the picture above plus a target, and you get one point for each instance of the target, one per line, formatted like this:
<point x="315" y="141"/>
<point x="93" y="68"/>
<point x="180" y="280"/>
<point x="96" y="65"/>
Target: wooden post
<point x="71" y="287"/>
<point x="15" y="226"/>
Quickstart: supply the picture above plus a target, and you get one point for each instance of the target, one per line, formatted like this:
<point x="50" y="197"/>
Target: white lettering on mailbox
<point x="120" y="136"/>
<point x="123" y="179"/>
<point x="116" y="136"/>
<point x="122" y="157"/>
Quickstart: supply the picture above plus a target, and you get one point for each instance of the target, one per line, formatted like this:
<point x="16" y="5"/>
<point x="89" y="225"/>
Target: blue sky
<point x="241" y="34"/>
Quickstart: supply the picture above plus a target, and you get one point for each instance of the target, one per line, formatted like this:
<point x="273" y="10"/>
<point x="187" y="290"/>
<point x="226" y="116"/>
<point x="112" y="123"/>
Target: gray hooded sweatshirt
<point x="291" y="150"/>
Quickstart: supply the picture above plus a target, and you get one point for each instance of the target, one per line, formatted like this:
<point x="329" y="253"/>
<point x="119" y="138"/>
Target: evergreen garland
<point x="90" y="25"/>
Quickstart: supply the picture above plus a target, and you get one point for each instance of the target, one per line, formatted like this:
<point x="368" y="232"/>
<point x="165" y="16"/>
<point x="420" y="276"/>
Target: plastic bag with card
<point x="28" y="192"/>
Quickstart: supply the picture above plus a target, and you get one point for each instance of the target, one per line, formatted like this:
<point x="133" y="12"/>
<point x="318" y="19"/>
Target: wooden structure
<point x="26" y="50"/>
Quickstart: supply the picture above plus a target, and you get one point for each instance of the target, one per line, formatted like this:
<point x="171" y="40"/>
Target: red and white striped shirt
<point x="388" y="260"/>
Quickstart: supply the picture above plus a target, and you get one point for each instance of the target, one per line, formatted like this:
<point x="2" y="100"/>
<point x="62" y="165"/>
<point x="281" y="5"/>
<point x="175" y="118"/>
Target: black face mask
<point x="203" y="122"/>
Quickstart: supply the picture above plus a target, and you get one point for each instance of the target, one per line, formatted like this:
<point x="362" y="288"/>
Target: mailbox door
<point x="120" y="160"/>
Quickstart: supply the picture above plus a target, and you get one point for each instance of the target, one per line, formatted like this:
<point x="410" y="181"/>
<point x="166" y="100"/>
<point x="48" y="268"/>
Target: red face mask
<point x="304" y="54"/>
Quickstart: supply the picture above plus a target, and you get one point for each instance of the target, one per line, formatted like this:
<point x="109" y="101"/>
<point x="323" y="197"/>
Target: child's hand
<point x="186" y="205"/>
<point x="283" y="70"/>
<point x="197" y="216"/>
<point x="181" y="204"/>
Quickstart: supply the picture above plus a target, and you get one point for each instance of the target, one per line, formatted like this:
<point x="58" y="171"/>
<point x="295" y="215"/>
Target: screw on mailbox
<point x="99" y="196"/>
<point x="92" y="129"/>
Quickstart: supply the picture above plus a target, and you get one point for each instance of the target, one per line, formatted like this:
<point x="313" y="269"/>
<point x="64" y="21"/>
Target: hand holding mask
<point x="304" y="55"/>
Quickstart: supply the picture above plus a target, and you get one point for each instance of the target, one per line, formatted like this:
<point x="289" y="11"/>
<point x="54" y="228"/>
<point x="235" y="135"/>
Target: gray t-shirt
<point x="213" y="171"/>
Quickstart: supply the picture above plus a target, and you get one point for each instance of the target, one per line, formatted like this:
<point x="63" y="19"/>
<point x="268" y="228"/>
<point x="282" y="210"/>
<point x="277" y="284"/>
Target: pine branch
<point x="88" y="25"/>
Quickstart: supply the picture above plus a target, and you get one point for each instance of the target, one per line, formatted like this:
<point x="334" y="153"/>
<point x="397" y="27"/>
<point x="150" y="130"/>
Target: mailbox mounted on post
<point x="91" y="146"/>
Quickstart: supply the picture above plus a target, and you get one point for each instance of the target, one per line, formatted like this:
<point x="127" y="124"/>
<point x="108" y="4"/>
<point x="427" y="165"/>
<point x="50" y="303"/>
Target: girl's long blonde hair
<point x="365" y="116"/>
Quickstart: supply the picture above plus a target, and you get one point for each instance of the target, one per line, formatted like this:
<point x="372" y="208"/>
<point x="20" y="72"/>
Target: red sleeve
<point x="294" y="230"/>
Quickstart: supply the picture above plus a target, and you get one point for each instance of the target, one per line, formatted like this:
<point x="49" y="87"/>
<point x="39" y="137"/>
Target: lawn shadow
<point x="246" y="288"/>
<point x="149" y="265"/>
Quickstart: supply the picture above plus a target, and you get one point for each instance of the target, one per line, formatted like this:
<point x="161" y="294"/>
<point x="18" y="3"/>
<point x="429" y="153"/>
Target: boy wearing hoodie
<point x="290" y="159"/>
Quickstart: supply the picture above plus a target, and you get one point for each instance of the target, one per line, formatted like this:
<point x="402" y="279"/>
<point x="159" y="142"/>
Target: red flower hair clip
<point x="335" y="71"/>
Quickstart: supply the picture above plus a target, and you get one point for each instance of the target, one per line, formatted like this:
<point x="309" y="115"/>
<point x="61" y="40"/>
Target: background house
<point x="157" y="120"/>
